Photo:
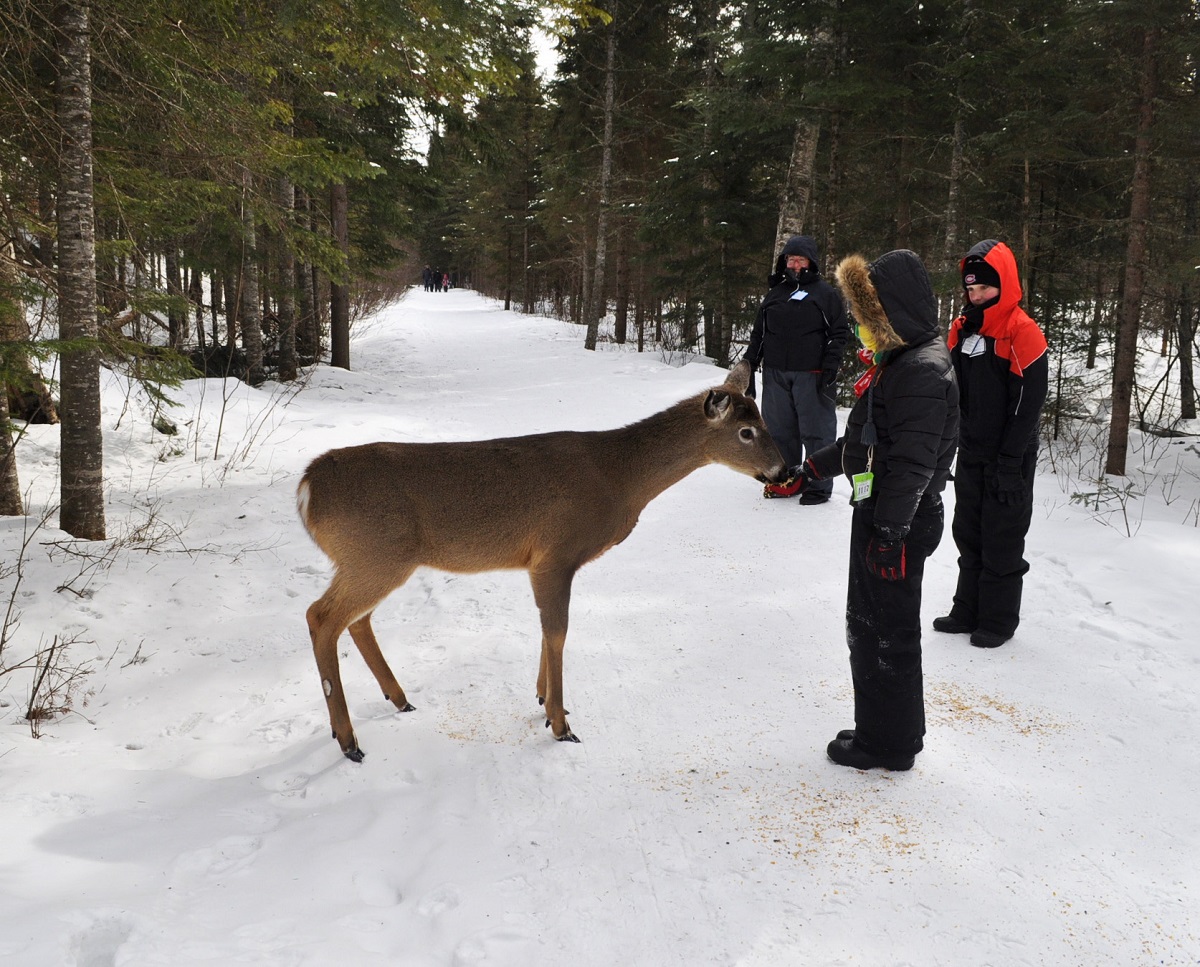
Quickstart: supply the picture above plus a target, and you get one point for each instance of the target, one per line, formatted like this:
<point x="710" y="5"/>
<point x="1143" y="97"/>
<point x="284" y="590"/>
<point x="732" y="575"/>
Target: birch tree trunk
<point x="597" y="302"/>
<point x="81" y="458"/>
<point x="1125" y="357"/>
<point x="797" y="188"/>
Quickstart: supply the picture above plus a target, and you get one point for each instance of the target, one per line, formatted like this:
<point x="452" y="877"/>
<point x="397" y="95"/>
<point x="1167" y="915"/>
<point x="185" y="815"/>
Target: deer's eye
<point x="747" y="434"/>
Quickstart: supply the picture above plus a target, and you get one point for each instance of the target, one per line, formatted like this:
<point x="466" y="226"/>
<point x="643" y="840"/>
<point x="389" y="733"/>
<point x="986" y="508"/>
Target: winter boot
<point x="988" y="639"/>
<point x="947" y="624"/>
<point x="847" y="752"/>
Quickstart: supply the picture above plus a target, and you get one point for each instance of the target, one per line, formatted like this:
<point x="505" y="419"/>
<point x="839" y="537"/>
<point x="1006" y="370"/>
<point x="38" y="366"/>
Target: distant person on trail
<point x="798" y="338"/>
<point x="445" y="281"/>
<point x="896" y="451"/>
<point x="1000" y="357"/>
<point x="427" y="278"/>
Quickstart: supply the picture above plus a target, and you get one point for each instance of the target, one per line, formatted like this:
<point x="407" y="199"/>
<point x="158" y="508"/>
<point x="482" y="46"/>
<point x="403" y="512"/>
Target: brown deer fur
<point x="546" y="503"/>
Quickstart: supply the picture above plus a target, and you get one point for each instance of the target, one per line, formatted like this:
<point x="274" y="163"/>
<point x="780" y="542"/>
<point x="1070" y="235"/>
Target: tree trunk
<point x="10" y="308"/>
<point x="195" y="298"/>
<point x="1187" y="332"/>
<point x="25" y="394"/>
<point x="339" y="292"/>
<point x="904" y="169"/>
<point x="1097" y="318"/>
<point x="621" y="324"/>
<point x="308" y="331"/>
<point x="1125" y="357"/>
<point x="233" y="301"/>
<point x="950" y="255"/>
<point x="81" y="510"/>
<point x="793" y="202"/>
<point x="287" y="284"/>
<point x="175" y="308"/>
<point x="598" y="302"/>
<point x="1187" y="321"/>
<point x="833" y="195"/>
<point x="508" y="274"/>
<point x="252" y="341"/>
<point x="10" y="484"/>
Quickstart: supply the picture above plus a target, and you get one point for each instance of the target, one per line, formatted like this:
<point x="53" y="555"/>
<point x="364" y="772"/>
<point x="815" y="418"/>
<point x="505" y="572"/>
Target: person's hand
<point x="973" y="318"/>
<point x="1009" y="486"/>
<point x="751" y="389"/>
<point x="797" y="480"/>
<point x="828" y="383"/>
<point x="886" y="554"/>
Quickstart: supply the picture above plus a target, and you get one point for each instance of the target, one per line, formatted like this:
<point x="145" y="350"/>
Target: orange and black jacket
<point x="1002" y="369"/>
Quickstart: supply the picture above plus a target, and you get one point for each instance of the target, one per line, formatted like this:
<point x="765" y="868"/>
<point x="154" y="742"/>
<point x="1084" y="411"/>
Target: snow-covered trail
<point x="197" y="811"/>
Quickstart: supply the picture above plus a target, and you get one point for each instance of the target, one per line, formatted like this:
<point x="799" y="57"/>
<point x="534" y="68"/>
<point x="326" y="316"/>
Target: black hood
<point x="892" y="297"/>
<point x="799" y="245"/>
<point x="906" y="295"/>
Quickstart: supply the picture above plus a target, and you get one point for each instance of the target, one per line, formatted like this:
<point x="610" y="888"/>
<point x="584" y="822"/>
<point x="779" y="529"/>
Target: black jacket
<point x="801" y="325"/>
<point x="911" y="404"/>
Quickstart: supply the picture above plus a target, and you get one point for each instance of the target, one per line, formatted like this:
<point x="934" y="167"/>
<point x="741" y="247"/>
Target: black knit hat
<point x="978" y="272"/>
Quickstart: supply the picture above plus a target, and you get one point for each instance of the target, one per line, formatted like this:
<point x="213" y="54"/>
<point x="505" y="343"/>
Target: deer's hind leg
<point x="368" y="646"/>
<point x="344" y="604"/>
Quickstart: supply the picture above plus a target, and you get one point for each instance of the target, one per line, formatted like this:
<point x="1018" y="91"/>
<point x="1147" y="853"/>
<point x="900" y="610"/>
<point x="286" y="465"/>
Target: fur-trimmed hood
<point x="892" y="298"/>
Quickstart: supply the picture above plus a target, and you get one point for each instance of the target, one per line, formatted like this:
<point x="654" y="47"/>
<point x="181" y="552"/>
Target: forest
<point x="222" y="188"/>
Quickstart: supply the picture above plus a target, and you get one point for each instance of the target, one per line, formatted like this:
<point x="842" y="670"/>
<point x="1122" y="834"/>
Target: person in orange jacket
<point x="1000" y="359"/>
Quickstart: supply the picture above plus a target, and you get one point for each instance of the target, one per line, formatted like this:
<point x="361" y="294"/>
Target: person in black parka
<point x="797" y="341"/>
<point x="897" y="449"/>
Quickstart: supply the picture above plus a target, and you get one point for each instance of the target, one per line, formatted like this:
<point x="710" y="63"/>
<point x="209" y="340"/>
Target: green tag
<point x="863" y="484"/>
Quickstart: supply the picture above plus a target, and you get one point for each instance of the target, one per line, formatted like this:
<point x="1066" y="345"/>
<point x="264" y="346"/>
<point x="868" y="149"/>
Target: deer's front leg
<point x="552" y="592"/>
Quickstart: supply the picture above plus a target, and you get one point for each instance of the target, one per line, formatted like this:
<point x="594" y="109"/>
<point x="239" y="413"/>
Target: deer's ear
<point x="739" y="377"/>
<point x="716" y="404"/>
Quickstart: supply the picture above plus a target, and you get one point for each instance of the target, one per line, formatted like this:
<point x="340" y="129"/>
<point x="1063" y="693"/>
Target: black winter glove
<point x="886" y="558"/>
<point x="973" y="318"/>
<point x="1009" y="486"/>
<point x="751" y="389"/>
<point x="828" y="386"/>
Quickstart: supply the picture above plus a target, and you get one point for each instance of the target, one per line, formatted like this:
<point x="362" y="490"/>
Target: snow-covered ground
<point x="193" y="809"/>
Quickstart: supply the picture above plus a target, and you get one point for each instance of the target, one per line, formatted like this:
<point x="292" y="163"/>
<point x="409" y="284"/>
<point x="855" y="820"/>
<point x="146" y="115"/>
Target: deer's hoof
<point x="407" y="707"/>
<point x="353" y="753"/>
<point x="567" y="736"/>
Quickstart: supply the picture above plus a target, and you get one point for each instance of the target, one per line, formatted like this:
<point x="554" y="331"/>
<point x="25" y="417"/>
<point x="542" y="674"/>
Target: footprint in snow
<point x="98" y="944"/>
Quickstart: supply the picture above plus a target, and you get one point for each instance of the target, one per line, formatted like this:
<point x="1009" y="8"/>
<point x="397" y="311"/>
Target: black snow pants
<point x="801" y="416"/>
<point x="990" y="536"/>
<point x="883" y="630"/>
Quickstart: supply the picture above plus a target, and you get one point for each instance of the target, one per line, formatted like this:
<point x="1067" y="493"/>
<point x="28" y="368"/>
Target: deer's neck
<point x="662" y="449"/>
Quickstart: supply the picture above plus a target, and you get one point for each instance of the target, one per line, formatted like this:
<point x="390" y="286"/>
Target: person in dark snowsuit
<point x="896" y="450"/>
<point x="798" y="338"/>
<point x="1000" y="358"/>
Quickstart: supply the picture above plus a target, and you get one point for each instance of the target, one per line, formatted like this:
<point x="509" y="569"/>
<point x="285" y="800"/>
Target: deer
<point x="546" y="503"/>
